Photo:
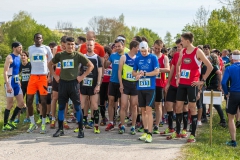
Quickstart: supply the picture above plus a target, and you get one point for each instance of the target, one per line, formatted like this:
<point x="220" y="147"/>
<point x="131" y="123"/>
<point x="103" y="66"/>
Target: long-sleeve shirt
<point x="231" y="73"/>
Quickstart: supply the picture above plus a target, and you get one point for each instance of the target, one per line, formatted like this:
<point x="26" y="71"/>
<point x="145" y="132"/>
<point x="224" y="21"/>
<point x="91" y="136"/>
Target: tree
<point x="149" y="34"/>
<point x="168" y="40"/>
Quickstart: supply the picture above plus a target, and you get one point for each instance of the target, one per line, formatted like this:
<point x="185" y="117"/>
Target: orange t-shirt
<point x="98" y="49"/>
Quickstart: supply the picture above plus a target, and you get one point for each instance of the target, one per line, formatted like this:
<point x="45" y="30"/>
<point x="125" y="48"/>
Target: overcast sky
<point x="159" y="15"/>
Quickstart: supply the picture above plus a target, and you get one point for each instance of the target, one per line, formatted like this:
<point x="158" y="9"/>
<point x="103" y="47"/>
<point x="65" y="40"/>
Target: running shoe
<point x="148" y="138"/>
<point x="72" y="120"/>
<point x="109" y="127"/>
<point x="31" y="128"/>
<point x="174" y="136"/>
<point x="155" y="130"/>
<point x="133" y="131"/>
<point x="80" y="134"/>
<point x="7" y="127"/>
<point x="191" y="139"/>
<point x="52" y="125"/>
<point x="103" y="121"/>
<point x="58" y="133"/>
<point x="167" y="131"/>
<point x="143" y="137"/>
<point x="26" y="120"/>
<point x="47" y="120"/>
<point x="204" y="120"/>
<point x="232" y="143"/>
<point x="161" y="124"/>
<point x="90" y="124"/>
<point x="126" y="119"/>
<point x="121" y="130"/>
<point x="96" y="130"/>
<point x="39" y="121"/>
<point x="184" y="133"/>
<point x="140" y="129"/>
<point x="76" y="130"/>
<point x="65" y="125"/>
<point x="43" y="129"/>
<point x="223" y="124"/>
<point x="12" y="124"/>
<point x="85" y="123"/>
<point x="237" y="124"/>
<point x="199" y="123"/>
<point x="16" y="121"/>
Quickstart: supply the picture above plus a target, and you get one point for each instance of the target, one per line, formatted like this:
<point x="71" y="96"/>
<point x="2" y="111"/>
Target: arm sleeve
<point x="82" y="59"/>
<point x="225" y="80"/>
<point x="56" y="58"/>
<point x="99" y="62"/>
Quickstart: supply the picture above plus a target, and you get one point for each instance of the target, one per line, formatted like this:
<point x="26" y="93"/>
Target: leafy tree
<point x="168" y="41"/>
<point x="149" y="34"/>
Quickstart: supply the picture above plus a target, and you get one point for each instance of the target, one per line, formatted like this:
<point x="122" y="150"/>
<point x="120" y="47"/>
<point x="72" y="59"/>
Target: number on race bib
<point x="25" y="77"/>
<point x="16" y="79"/>
<point x="49" y="89"/>
<point x="38" y="58"/>
<point x="130" y="76"/>
<point x="185" y="74"/>
<point x="145" y="82"/>
<point x="68" y="63"/>
<point x="87" y="81"/>
<point x="108" y="72"/>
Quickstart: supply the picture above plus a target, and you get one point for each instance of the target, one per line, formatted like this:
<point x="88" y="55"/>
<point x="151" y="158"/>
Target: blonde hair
<point x="236" y="52"/>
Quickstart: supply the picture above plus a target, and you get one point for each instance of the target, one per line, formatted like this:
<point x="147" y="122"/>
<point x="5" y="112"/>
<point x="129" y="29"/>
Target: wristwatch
<point x="144" y="74"/>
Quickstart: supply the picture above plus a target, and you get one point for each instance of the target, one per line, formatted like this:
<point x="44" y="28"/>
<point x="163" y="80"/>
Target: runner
<point x="123" y="38"/>
<point x="206" y="49"/>
<point x="146" y="68"/>
<point x="39" y="56"/>
<point x="128" y="86"/>
<point x="68" y="80"/>
<point x="233" y="94"/>
<point x="161" y="81"/>
<point x="188" y="74"/>
<point x="113" y="88"/>
<point x="12" y="86"/>
<point x="90" y="86"/>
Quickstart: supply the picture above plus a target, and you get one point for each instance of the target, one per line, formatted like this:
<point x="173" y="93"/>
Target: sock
<point x="61" y="115"/>
<point x="149" y="133"/>
<point x="92" y="119"/>
<point x="185" y="120"/>
<point x="145" y="130"/>
<point x="43" y="121"/>
<point x="60" y="124"/>
<point x="15" y="113"/>
<point x="53" y="119"/>
<point x="111" y="122"/>
<point x="133" y="127"/>
<point x="82" y="111"/>
<point x="6" y="115"/>
<point x="65" y="120"/>
<point x="96" y="116"/>
<point x="102" y="110"/>
<point x="32" y="119"/>
<point x="138" y="118"/>
<point x="178" y="122"/>
<point x="194" y="124"/>
<point x="40" y="116"/>
<point x="170" y="119"/>
<point x="85" y="118"/>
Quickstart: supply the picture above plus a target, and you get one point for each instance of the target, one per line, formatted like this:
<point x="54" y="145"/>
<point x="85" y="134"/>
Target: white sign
<point x="217" y="97"/>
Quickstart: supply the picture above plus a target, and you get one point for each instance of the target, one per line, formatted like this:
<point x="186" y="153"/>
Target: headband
<point x="119" y="37"/>
<point x="236" y="57"/>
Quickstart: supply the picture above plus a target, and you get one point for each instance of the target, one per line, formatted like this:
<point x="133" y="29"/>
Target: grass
<point x="219" y="150"/>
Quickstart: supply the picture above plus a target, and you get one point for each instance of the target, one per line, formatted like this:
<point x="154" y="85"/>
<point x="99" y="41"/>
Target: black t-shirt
<point x="92" y="78"/>
<point x="25" y="72"/>
<point x="212" y="80"/>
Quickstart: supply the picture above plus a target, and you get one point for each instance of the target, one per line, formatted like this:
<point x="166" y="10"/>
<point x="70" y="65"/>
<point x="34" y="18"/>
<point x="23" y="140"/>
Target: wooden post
<point x="211" y="118"/>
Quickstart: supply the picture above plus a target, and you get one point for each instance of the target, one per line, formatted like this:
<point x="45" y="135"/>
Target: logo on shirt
<point x="187" y="60"/>
<point x="116" y="62"/>
<point x="146" y="66"/>
<point x="149" y="60"/>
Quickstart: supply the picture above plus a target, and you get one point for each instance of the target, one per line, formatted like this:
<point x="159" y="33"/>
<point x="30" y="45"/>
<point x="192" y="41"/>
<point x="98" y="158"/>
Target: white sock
<point x="53" y="118"/>
<point x="43" y="121"/>
<point x="32" y="119"/>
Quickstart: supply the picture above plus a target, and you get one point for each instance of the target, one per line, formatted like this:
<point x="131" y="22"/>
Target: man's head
<point x="216" y="51"/>
<point x="119" y="45"/>
<point x="179" y="45"/>
<point x="137" y="38"/>
<point x="38" y="39"/>
<point x="17" y="47"/>
<point x="121" y="37"/>
<point x="225" y="53"/>
<point x="90" y="46"/>
<point x="63" y="42"/>
<point x="213" y="58"/>
<point x="206" y="49"/>
<point x="70" y="44"/>
<point x="143" y="46"/>
<point x="157" y="46"/>
<point x="52" y="45"/>
<point x="81" y="40"/>
<point x="236" y="56"/>
<point x="24" y="56"/>
<point x="187" y="39"/>
<point x="90" y="35"/>
<point x="134" y="46"/>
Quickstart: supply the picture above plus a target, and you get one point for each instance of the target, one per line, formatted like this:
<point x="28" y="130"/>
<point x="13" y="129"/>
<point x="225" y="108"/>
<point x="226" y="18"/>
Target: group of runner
<point x="140" y="82"/>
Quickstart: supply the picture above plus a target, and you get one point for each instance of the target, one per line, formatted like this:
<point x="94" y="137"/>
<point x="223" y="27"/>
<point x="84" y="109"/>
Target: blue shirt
<point x="226" y="60"/>
<point x="231" y="73"/>
<point x="139" y="53"/>
<point x="114" y="59"/>
<point x="146" y="64"/>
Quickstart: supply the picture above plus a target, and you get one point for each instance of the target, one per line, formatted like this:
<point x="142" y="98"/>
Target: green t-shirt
<point x="69" y="64"/>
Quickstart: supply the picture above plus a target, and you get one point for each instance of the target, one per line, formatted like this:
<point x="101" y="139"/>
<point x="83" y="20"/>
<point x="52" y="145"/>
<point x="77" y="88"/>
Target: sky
<point x="158" y="15"/>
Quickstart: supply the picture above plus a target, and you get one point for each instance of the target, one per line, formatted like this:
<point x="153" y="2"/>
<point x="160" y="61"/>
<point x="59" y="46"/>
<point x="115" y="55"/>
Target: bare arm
<point x="51" y="71"/>
<point x="179" y="64"/>
<point x="102" y="60"/>
<point x="219" y="74"/>
<point x="7" y="64"/>
<point x="97" y="88"/>
<point x="120" y="68"/>
<point x="203" y="58"/>
<point x="87" y="72"/>
<point x="166" y="68"/>
<point x="171" y="74"/>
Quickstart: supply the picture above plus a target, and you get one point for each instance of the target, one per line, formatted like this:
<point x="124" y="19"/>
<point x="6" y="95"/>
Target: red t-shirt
<point x="107" y="74"/>
<point x="98" y="49"/>
<point x="58" y="65"/>
<point x="221" y="64"/>
<point x="161" y="77"/>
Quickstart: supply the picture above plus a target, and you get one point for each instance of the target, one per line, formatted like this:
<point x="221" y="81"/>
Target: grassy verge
<point x="219" y="150"/>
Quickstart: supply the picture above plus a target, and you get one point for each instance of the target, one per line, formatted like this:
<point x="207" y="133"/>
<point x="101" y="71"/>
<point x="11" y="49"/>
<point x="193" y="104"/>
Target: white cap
<point x="143" y="45"/>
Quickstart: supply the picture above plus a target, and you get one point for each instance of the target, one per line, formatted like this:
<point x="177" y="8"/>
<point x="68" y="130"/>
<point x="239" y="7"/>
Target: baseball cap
<point x="143" y="45"/>
<point x="16" y="44"/>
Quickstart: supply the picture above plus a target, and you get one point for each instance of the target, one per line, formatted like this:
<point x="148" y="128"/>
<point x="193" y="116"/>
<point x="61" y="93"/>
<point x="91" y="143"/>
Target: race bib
<point x="49" y="89"/>
<point x="68" y="63"/>
<point x="185" y="74"/>
<point x="38" y="58"/>
<point x="158" y="76"/>
<point x="130" y="76"/>
<point x="87" y="81"/>
<point x="145" y="82"/>
<point x="25" y="77"/>
<point x="108" y="72"/>
<point x="16" y="78"/>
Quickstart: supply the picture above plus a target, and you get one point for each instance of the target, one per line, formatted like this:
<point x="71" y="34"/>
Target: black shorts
<point x="146" y="98"/>
<point x="113" y="90"/>
<point x="159" y="96"/>
<point x="54" y="85"/>
<point x="49" y="95"/>
<point x="187" y="92"/>
<point x="233" y="103"/>
<point x="130" y="88"/>
<point x="88" y="91"/>
<point x="24" y="90"/>
<point x="66" y="90"/>
<point x="103" y="93"/>
<point x="172" y="95"/>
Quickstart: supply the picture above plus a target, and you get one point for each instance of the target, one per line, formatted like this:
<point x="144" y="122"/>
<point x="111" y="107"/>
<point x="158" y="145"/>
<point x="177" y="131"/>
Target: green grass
<point x="219" y="150"/>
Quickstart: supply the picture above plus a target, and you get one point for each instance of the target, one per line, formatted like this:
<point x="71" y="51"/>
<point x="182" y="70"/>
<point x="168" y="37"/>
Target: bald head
<point x="90" y="35"/>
